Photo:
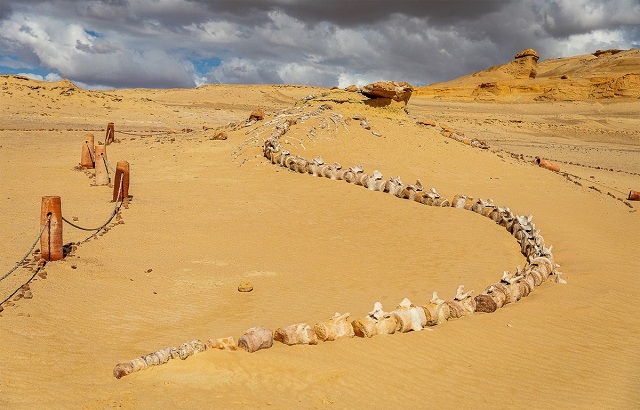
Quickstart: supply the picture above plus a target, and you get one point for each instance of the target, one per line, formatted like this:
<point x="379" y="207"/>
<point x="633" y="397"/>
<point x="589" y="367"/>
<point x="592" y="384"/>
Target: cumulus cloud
<point x="48" y="77"/>
<point x="152" y="43"/>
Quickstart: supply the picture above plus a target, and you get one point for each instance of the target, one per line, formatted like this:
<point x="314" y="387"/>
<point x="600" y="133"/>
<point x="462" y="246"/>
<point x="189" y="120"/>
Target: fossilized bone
<point x="338" y="326"/>
<point x="377" y="322"/>
<point x="283" y="158"/>
<point x="362" y="179"/>
<point x="159" y="357"/>
<point x="409" y="317"/>
<point x="458" y="201"/>
<point x="297" y="334"/>
<point x="462" y="303"/>
<point x="494" y="297"/>
<point x="510" y="289"/>
<point x="429" y="197"/>
<point x="256" y="338"/>
<point x="393" y="185"/>
<point x="488" y="207"/>
<point x="333" y="172"/>
<point x="224" y="343"/>
<point x="302" y="165"/>
<point x="374" y="181"/>
<point x="469" y="203"/>
<point x="314" y="166"/>
<point x="350" y="174"/>
<point x="437" y="311"/>
<point x="512" y="282"/>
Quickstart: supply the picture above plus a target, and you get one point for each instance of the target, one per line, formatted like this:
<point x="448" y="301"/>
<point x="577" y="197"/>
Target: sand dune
<point x="207" y="214"/>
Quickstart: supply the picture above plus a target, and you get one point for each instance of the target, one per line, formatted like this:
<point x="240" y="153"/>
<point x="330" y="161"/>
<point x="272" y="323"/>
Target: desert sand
<point x="207" y="214"/>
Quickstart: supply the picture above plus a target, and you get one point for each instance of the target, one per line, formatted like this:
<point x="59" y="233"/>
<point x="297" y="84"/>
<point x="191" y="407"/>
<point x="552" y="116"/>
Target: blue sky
<point x="186" y="43"/>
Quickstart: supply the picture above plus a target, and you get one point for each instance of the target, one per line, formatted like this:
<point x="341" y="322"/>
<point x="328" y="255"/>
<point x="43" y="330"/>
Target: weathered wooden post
<point x="547" y="164"/>
<point x="122" y="173"/>
<point x="87" y="158"/>
<point x="51" y="239"/>
<point x="102" y="174"/>
<point x="110" y="137"/>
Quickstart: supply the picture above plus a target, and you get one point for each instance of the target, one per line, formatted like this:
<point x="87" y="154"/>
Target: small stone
<point x="28" y="295"/>
<point x="149" y="270"/>
<point x="245" y="286"/>
<point x="74" y="266"/>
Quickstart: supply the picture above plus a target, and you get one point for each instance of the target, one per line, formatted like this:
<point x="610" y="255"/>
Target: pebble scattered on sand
<point x="245" y="286"/>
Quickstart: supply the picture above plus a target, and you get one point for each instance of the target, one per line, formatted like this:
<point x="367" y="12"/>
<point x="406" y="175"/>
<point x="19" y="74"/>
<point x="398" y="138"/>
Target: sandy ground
<point x="206" y="215"/>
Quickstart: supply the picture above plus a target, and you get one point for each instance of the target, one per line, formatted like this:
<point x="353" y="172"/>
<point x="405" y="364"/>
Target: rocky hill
<point x="605" y="74"/>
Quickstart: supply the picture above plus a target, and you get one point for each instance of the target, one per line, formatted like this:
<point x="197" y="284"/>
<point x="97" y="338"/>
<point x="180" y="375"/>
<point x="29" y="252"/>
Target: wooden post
<point x="51" y="239"/>
<point x="110" y="137"/>
<point x="86" y="160"/>
<point x="122" y="171"/>
<point x="547" y="164"/>
<point x="102" y="175"/>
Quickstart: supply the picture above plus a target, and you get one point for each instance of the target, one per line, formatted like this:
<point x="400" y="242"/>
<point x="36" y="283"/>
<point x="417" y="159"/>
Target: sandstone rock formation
<point x="525" y="64"/>
<point x="397" y="91"/>
<point x="388" y="94"/>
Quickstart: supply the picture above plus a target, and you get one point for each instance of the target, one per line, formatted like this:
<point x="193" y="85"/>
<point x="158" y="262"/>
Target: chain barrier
<point x="592" y="182"/>
<point x="113" y="213"/>
<point x="93" y="158"/>
<point x="145" y="134"/>
<point x="29" y="251"/>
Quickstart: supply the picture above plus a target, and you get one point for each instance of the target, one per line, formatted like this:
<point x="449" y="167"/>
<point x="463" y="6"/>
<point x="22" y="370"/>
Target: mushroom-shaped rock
<point x="525" y="64"/>
<point x="529" y="52"/>
<point x="397" y="91"/>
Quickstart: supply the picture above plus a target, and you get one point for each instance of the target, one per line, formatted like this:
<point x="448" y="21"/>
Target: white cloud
<point x="49" y="77"/>
<point x="75" y="54"/>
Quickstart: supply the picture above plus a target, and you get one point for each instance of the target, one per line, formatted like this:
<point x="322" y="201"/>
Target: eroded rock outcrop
<point x="525" y="64"/>
<point x="388" y="93"/>
<point x="396" y="91"/>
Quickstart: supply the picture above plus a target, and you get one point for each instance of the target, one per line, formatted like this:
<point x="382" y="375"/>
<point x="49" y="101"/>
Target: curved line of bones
<point x="406" y="316"/>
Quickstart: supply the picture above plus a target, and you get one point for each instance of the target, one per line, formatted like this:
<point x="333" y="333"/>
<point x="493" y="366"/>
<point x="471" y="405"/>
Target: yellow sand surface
<point x="207" y="214"/>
